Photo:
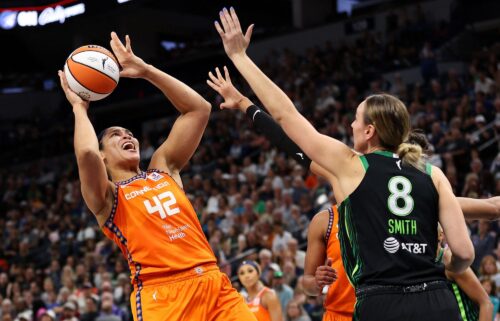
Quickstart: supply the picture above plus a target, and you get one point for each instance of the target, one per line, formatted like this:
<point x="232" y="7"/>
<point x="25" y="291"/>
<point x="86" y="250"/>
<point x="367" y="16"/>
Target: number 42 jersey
<point x="156" y="228"/>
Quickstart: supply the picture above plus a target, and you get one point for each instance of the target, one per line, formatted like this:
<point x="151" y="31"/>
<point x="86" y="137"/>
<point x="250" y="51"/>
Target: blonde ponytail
<point x="411" y="154"/>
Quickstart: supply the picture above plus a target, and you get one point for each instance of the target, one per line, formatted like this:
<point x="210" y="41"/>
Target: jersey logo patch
<point x="155" y="176"/>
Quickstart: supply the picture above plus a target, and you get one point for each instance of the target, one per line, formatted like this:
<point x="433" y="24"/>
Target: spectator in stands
<point x="263" y="301"/>
<point x="296" y="312"/>
<point x="490" y="288"/>
<point x="284" y="291"/>
<point x="484" y="243"/>
<point x="483" y="83"/>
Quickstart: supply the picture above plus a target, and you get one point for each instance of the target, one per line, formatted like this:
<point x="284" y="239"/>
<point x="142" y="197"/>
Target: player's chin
<point x="133" y="157"/>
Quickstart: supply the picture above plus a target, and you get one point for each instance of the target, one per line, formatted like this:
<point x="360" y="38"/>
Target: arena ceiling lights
<point x="34" y="16"/>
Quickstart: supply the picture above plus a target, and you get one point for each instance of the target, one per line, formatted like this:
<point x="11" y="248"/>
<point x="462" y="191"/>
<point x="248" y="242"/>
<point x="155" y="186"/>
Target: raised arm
<point x="453" y="223"/>
<point x="233" y="99"/>
<point x="188" y="129"/>
<point x="329" y="153"/>
<point x="475" y="209"/>
<point x="97" y="190"/>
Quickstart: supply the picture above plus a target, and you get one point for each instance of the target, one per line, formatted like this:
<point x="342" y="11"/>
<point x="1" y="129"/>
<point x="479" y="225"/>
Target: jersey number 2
<point x="168" y="207"/>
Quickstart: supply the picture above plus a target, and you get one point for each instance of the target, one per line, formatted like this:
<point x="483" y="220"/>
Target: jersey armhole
<point x="110" y="221"/>
<point x="364" y="162"/>
<point x="330" y="224"/>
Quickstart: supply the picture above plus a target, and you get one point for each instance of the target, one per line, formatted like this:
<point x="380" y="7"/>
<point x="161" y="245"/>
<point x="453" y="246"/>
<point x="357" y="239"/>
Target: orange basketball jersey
<point x="340" y="298"/>
<point x="156" y="228"/>
<point x="255" y="305"/>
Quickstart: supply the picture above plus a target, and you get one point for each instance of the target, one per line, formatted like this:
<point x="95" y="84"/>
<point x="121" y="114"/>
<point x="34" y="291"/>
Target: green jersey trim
<point x="428" y="168"/>
<point x="364" y="162"/>
<point x="348" y="238"/>
<point x="456" y="291"/>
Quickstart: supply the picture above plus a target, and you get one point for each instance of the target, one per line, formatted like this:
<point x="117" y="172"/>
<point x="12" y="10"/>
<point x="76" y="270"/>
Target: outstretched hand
<point x="71" y="96"/>
<point x="325" y="274"/>
<point x="225" y="88"/>
<point x="235" y="43"/>
<point x="132" y="66"/>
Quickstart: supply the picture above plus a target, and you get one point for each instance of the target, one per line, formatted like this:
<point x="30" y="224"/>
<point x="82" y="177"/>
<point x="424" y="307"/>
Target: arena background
<point x="440" y="57"/>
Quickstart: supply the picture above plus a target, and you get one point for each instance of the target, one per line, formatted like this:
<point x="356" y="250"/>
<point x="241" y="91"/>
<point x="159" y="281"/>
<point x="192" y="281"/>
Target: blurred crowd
<point x="252" y="200"/>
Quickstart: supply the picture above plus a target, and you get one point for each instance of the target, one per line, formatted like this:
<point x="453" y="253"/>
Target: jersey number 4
<point x="167" y="207"/>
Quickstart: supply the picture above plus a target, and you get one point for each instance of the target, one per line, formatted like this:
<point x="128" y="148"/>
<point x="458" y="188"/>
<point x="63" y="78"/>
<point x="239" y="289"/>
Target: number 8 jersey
<point x="388" y="225"/>
<point x="156" y="228"/>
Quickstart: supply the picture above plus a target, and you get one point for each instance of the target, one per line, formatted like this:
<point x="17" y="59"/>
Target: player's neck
<point x="254" y="290"/>
<point x="119" y="175"/>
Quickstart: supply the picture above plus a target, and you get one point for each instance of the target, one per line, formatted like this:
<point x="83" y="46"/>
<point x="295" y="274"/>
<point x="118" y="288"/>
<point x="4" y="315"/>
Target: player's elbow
<point x="465" y="253"/>
<point x="205" y="107"/>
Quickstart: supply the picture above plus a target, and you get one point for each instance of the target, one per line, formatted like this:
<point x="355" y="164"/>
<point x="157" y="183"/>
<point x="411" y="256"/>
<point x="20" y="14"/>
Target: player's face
<point x="359" y="128"/>
<point x="248" y="275"/>
<point x="120" y="147"/>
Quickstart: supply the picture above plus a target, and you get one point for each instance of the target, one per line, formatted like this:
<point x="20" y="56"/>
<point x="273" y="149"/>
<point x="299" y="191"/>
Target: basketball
<point x="92" y="72"/>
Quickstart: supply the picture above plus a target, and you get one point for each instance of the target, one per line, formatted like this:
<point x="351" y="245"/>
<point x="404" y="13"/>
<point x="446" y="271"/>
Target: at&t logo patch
<point x="391" y="245"/>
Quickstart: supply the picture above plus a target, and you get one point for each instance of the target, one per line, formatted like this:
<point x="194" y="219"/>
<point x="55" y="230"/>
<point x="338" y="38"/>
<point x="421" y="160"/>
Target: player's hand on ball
<point x="132" y="66"/>
<point x="225" y="88"/>
<point x="71" y="96"/>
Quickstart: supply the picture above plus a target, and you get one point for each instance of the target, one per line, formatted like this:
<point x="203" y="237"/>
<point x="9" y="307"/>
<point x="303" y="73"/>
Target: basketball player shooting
<point x="146" y="213"/>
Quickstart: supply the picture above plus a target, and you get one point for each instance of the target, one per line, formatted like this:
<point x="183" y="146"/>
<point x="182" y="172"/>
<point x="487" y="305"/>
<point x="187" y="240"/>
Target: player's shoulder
<point x="320" y="222"/>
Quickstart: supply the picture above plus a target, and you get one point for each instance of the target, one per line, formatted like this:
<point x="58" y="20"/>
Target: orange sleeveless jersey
<point x="261" y="313"/>
<point x="340" y="298"/>
<point x="156" y="228"/>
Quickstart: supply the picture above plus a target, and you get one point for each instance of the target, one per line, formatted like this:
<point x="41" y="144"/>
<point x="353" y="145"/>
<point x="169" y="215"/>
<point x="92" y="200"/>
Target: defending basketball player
<point x="146" y="213"/>
<point x="472" y="299"/>
<point x="391" y="203"/>
<point x="323" y="244"/>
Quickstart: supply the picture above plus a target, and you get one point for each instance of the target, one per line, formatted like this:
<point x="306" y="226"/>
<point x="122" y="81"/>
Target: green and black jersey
<point x="469" y="310"/>
<point x="388" y="225"/>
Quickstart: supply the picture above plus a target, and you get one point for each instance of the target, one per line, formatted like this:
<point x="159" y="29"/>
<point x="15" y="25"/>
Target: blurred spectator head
<point x="488" y="266"/>
<point x="265" y="257"/>
<point x="488" y="285"/>
<point x="294" y="310"/>
<point x="48" y="315"/>
<point x="292" y="245"/>
<point x="480" y="120"/>
<point x="248" y="273"/>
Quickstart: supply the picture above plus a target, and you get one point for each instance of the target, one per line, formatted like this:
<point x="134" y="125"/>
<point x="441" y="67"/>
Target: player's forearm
<point x="310" y="286"/>
<point x="85" y="139"/>
<point x="276" y="135"/>
<point x="474" y="209"/>
<point x="273" y="98"/>
<point x="183" y="97"/>
<point x="486" y="311"/>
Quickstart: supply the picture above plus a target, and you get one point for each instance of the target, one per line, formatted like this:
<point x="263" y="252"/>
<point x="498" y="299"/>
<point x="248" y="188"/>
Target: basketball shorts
<point x="206" y="294"/>
<point x="434" y="304"/>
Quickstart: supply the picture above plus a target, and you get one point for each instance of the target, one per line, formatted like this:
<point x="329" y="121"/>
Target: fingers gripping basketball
<point x="92" y="72"/>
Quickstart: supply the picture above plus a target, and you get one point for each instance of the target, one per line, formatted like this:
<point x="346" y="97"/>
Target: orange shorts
<point x="335" y="316"/>
<point x="203" y="293"/>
